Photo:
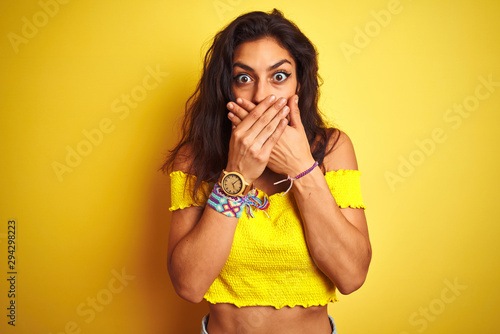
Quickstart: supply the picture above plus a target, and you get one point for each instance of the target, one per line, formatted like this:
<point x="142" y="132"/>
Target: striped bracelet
<point x="304" y="173"/>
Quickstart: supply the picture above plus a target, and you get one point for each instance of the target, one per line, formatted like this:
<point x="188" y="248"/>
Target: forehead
<point x="261" y="53"/>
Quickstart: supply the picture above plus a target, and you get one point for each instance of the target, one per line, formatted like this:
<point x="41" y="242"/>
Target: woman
<point x="268" y="220"/>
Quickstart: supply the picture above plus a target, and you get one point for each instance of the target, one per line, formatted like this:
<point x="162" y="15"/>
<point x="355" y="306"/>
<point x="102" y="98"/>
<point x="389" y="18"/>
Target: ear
<point x="298" y="88"/>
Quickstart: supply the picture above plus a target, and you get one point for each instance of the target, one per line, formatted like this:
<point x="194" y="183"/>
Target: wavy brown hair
<point x="206" y="128"/>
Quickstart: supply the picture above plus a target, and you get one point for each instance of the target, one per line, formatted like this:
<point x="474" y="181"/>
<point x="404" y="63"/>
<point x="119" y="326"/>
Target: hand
<point x="254" y="137"/>
<point x="292" y="154"/>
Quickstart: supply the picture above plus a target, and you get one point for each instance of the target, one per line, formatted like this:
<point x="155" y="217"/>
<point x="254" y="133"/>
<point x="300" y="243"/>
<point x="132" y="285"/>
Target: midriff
<point x="227" y="318"/>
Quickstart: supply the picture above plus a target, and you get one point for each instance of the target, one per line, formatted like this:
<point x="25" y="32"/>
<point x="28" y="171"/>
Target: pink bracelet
<point x="304" y="173"/>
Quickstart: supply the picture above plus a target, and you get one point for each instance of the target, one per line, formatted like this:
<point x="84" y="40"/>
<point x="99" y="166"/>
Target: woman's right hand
<point x="253" y="139"/>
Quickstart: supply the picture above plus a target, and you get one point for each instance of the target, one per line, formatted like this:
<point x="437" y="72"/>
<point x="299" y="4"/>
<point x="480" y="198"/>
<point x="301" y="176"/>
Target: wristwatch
<point x="233" y="184"/>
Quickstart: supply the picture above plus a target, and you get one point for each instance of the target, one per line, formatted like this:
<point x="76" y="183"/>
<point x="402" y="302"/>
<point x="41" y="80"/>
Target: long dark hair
<point x="206" y="128"/>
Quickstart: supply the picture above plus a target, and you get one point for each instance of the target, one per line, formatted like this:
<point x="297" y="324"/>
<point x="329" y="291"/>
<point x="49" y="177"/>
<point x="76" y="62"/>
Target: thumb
<point x="293" y="103"/>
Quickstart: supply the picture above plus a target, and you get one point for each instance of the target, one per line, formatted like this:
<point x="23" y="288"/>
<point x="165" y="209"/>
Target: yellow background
<point x="433" y="225"/>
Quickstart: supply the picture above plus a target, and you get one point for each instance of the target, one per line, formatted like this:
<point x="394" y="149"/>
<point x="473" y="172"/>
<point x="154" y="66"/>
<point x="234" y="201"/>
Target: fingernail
<point x="230" y="115"/>
<point x="273" y="98"/>
<point x="239" y="100"/>
<point x="282" y="101"/>
<point x="230" y="106"/>
<point x="285" y="110"/>
<point x="296" y="100"/>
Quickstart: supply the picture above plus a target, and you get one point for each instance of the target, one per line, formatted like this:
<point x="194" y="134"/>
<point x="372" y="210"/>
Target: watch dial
<point x="232" y="184"/>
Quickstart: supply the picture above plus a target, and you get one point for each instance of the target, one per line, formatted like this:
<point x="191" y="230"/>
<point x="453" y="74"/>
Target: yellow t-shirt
<point x="269" y="263"/>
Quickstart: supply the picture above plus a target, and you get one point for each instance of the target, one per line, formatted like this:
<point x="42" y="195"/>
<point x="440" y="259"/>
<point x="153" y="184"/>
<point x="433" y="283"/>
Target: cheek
<point x="290" y="89"/>
<point x="241" y="92"/>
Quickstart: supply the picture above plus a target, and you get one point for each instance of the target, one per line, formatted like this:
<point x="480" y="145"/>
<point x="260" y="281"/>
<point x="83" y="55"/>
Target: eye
<point x="281" y="76"/>
<point x="242" y="78"/>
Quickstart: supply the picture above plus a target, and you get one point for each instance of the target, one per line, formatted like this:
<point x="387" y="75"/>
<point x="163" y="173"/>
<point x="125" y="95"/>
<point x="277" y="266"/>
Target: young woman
<point x="268" y="220"/>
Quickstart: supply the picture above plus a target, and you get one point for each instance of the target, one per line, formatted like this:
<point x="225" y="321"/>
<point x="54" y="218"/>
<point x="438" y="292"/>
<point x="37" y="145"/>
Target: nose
<point x="262" y="89"/>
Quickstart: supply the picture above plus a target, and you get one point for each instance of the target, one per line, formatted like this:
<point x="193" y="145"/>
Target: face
<point x="262" y="68"/>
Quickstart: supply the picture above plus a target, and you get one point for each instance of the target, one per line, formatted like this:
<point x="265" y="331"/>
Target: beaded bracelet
<point x="304" y="173"/>
<point x="234" y="206"/>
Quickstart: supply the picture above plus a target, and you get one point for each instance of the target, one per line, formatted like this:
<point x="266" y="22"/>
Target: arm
<point x="199" y="244"/>
<point x="337" y="238"/>
<point x="200" y="239"/>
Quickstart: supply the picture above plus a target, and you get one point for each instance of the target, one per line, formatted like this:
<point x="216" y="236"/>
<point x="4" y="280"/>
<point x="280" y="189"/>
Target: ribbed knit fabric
<point x="269" y="263"/>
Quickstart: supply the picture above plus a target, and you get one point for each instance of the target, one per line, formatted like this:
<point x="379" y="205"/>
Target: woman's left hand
<point x="292" y="154"/>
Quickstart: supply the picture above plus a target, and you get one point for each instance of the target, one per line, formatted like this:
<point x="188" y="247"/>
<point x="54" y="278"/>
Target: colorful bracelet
<point x="304" y="173"/>
<point x="234" y="206"/>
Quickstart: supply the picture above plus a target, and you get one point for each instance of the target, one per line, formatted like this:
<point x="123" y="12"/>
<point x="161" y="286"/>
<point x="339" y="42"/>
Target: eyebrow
<point x="272" y="67"/>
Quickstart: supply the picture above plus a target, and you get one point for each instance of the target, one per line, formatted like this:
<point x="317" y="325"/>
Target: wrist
<point x="300" y="166"/>
<point x="234" y="184"/>
<point x="233" y="168"/>
<point x="234" y="206"/>
<point x="298" y="176"/>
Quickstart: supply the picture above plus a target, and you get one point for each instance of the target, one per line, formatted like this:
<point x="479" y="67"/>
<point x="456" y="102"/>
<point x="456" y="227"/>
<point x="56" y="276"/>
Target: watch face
<point x="232" y="184"/>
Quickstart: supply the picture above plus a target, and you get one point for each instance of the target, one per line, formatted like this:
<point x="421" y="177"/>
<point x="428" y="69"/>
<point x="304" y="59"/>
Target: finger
<point x="271" y="126"/>
<point x="237" y="110"/>
<point x="293" y="103"/>
<point x="235" y="120"/>
<point x="277" y="108"/>
<point x="274" y="137"/>
<point x="241" y="108"/>
<point x="244" y="103"/>
<point x="257" y="112"/>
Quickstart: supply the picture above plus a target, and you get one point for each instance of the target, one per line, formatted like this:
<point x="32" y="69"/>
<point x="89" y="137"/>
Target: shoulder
<point x="341" y="153"/>
<point x="185" y="189"/>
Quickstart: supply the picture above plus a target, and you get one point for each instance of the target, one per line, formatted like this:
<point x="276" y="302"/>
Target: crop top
<point x="269" y="263"/>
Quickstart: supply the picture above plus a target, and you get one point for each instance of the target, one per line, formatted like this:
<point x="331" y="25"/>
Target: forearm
<point x="199" y="244"/>
<point x="200" y="255"/>
<point x="338" y="248"/>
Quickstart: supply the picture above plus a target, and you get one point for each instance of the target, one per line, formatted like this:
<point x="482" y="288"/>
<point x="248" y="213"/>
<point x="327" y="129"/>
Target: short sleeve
<point x="182" y="190"/>
<point x="345" y="186"/>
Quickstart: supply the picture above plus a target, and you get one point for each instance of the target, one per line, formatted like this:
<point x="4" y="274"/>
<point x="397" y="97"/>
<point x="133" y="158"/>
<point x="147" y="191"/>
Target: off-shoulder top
<point x="269" y="263"/>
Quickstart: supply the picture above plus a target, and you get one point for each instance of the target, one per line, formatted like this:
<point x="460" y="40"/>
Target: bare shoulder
<point x="341" y="152"/>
